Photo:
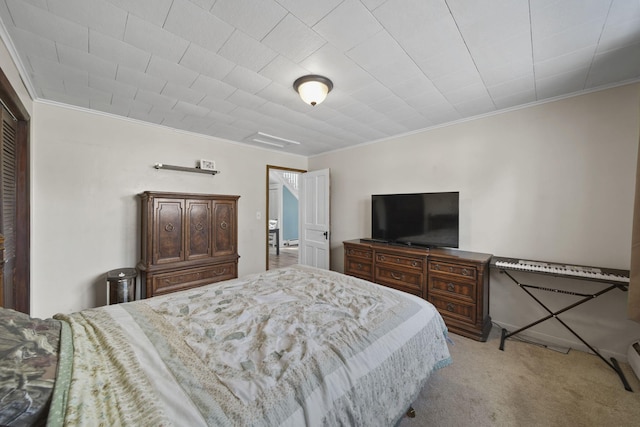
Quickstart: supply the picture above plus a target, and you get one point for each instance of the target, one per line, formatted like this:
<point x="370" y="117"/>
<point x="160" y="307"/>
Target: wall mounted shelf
<point x="185" y="169"/>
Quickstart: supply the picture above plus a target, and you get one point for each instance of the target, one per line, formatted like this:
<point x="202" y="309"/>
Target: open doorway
<point x="282" y="216"/>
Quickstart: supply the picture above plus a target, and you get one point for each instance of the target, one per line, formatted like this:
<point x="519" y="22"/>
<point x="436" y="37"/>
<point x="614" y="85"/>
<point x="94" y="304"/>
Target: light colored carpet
<point x="525" y="385"/>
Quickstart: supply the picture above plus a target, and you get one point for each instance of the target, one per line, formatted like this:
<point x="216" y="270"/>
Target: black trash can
<point x="122" y="285"/>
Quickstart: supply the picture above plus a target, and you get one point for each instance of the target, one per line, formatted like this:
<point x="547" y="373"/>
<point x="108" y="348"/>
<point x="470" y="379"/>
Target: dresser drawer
<point x="461" y="271"/>
<point x="460" y="290"/>
<point x="355" y="251"/>
<point x="416" y="263"/>
<point x="454" y="309"/>
<point x="163" y="283"/>
<point x="396" y="278"/>
<point x="359" y="268"/>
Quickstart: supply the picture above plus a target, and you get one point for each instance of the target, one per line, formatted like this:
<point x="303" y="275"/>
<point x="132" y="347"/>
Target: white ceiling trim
<point x="4" y="35"/>
<point x="482" y="116"/>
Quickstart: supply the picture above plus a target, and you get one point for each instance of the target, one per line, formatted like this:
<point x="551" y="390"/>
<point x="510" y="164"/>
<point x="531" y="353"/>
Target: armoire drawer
<point x="163" y="283"/>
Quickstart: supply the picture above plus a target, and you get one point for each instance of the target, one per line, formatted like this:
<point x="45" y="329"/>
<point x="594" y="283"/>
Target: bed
<point x="292" y="346"/>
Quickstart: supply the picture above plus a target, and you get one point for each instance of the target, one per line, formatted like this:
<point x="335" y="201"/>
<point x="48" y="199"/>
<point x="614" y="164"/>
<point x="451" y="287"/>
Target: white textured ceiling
<point x="225" y="68"/>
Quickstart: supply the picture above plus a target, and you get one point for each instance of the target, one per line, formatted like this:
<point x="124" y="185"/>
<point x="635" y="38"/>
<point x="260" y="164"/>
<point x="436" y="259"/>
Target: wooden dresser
<point x="455" y="282"/>
<point x="187" y="240"/>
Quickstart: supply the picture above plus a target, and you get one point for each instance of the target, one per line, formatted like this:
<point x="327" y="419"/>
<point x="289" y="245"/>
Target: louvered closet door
<point x="8" y="202"/>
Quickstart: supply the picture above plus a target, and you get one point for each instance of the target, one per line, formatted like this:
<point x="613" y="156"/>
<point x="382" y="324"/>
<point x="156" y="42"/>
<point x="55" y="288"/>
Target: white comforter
<point x="294" y="346"/>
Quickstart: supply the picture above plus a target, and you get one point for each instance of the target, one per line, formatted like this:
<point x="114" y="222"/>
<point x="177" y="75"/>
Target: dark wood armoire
<point x="187" y="240"/>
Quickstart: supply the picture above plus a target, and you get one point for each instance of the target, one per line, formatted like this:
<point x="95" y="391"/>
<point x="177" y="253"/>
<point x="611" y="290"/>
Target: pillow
<point x="28" y="361"/>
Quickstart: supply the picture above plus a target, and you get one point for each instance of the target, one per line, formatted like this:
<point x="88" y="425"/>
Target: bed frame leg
<point x="411" y="413"/>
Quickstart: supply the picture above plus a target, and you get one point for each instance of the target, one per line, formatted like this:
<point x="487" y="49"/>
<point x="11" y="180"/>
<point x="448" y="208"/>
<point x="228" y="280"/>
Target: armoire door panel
<point x="224" y="233"/>
<point x="198" y="229"/>
<point x="168" y="231"/>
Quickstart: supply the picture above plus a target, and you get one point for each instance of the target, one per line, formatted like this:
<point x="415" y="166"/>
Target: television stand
<point x="455" y="282"/>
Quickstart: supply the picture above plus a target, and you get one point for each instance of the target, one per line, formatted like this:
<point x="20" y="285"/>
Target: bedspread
<point x="293" y="346"/>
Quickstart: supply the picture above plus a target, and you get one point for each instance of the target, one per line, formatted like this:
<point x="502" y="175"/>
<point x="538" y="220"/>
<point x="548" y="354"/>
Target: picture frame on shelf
<point x="208" y="165"/>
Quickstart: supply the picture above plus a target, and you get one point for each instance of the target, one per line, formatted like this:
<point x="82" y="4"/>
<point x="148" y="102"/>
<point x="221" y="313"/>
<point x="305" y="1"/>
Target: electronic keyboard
<point x="574" y="271"/>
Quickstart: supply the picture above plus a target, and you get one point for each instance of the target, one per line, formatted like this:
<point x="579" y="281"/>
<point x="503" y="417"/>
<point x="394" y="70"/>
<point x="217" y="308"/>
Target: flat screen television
<point x="422" y="219"/>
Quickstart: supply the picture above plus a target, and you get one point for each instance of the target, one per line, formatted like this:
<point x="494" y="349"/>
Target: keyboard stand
<point x="613" y="364"/>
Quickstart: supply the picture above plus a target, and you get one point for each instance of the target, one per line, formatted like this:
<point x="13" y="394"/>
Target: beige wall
<point x="551" y="182"/>
<point x="87" y="170"/>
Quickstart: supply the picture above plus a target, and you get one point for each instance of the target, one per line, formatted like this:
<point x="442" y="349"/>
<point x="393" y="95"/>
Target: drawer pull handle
<point x="169" y="227"/>
<point x="397" y="276"/>
<point x="350" y="252"/>
<point x="359" y="266"/>
<point x="199" y="227"/>
<point x="450" y="307"/>
<point x="382" y="258"/>
<point x="465" y="272"/>
<point x="414" y="264"/>
<point x="223" y="225"/>
<point x="450" y="269"/>
<point x="451" y="287"/>
<point x="397" y="259"/>
<point x="436" y="266"/>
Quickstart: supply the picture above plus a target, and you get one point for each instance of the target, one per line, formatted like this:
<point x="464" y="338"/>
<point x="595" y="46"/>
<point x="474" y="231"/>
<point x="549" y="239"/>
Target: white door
<point x="314" y="219"/>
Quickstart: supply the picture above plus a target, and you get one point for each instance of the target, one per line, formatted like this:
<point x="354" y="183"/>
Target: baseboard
<point x="552" y="341"/>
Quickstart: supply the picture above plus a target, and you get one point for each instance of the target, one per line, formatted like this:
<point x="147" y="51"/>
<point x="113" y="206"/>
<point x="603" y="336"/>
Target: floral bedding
<point x="28" y="361"/>
<point x="293" y="346"/>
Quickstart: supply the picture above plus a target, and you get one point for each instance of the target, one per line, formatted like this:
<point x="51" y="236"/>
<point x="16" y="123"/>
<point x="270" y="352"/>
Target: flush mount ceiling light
<point x="313" y="89"/>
